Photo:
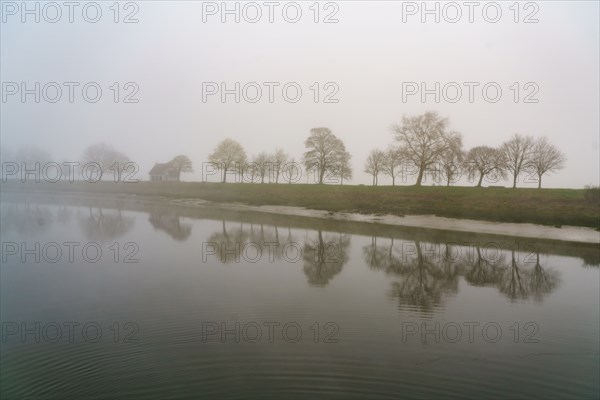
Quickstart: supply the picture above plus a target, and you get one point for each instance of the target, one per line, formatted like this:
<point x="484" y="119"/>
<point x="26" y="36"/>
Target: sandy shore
<point x="565" y="233"/>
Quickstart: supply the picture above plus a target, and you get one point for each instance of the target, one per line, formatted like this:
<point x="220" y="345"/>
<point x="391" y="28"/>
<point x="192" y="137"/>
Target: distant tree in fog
<point x="374" y="164"/>
<point x="343" y="169"/>
<point x="30" y="154"/>
<point x="279" y="158"/>
<point x="291" y="170"/>
<point x="517" y="152"/>
<point x="424" y="139"/>
<point x="391" y="162"/>
<point x="262" y="164"/>
<point x="181" y="163"/>
<point x="227" y="156"/>
<point x="545" y="157"/>
<point x="485" y="161"/>
<point x="323" y="153"/>
<point x="452" y="159"/>
<point x="106" y="157"/>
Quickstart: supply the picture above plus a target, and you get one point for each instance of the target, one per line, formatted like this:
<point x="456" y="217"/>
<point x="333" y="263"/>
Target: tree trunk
<point x="420" y="176"/>
<point x="224" y="175"/>
<point x="480" y="180"/>
<point x="321" y="175"/>
<point x="514" y="181"/>
<point x="393" y="180"/>
<point x="539" y="181"/>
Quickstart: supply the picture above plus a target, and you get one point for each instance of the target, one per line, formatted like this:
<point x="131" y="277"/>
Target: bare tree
<point x="228" y="155"/>
<point x="485" y="161"/>
<point x="250" y="170"/>
<point x="262" y="164"/>
<point x="279" y="158"/>
<point x="181" y="163"/>
<point x="324" y="150"/>
<point x="106" y="157"/>
<point x="343" y="169"/>
<point x="391" y="161"/>
<point x="452" y="159"/>
<point x="291" y="170"/>
<point x="374" y="164"/>
<point x="424" y="139"/>
<point x="517" y="152"/>
<point x="545" y="158"/>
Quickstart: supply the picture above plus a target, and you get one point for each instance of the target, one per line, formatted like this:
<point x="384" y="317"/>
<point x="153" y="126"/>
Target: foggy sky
<point x="369" y="53"/>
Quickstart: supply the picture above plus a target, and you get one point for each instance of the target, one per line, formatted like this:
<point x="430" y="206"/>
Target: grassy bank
<point x="541" y="206"/>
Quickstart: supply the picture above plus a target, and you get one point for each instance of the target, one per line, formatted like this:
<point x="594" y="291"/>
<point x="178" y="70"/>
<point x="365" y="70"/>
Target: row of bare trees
<point x="426" y="143"/>
<point x="325" y="156"/>
<point x="230" y="156"/>
<point x="423" y="143"/>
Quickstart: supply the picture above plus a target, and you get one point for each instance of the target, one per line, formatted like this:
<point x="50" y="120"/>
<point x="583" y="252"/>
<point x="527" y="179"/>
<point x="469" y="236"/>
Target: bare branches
<point x="374" y="164"/>
<point x="517" y="151"/>
<point x="424" y="139"/>
<point x="545" y="158"/>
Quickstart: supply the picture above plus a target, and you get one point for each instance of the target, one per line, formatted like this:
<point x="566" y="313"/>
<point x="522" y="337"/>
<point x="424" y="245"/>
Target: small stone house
<point x="163" y="173"/>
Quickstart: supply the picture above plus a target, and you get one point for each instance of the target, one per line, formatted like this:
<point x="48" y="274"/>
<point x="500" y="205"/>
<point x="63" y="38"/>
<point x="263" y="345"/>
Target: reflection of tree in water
<point x="428" y="276"/>
<point x="592" y="260"/>
<point x="481" y="270"/>
<point x="378" y="257"/>
<point x="513" y="280"/>
<point x="25" y="218"/>
<point x="64" y="215"/>
<point x="171" y="224"/>
<point x="520" y="282"/>
<point x="542" y="282"/>
<point x="102" y="226"/>
<point x="229" y="243"/>
<point x="325" y="257"/>
<point x="425" y="280"/>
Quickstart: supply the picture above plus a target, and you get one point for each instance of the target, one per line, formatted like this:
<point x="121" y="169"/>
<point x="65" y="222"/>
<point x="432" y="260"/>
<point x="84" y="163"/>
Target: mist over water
<point x="299" y="200"/>
<point x="193" y="306"/>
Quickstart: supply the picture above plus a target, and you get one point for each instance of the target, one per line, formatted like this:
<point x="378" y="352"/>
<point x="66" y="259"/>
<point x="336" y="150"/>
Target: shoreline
<point x="573" y="234"/>
<point x="522" y="230"/>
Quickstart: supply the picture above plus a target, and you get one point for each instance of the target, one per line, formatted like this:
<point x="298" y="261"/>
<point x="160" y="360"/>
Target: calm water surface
<point x="145" y="301"/>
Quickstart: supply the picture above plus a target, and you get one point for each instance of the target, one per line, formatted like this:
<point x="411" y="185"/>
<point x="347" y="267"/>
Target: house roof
<point x="162" y="169"/>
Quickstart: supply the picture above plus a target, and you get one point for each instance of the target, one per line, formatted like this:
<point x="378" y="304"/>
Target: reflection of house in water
<point x="171" y="224"/>
<point x="163" y="173"/>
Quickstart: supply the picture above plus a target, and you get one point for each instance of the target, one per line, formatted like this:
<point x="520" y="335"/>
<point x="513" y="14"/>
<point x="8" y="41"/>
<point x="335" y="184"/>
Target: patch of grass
<point x="592" y="194"/>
